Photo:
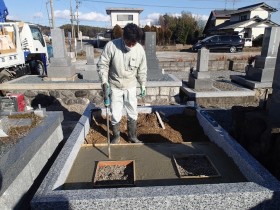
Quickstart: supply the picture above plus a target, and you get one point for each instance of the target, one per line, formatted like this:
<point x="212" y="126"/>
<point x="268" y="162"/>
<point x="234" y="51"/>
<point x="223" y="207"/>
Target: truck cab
<point x="22" y="50"/>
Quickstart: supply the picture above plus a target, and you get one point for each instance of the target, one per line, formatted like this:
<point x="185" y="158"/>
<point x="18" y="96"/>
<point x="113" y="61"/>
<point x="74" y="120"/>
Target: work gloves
<point x="143" y="91"/>
<point x="106" y="92"/>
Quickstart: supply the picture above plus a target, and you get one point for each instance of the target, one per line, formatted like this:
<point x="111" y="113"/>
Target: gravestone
<point x="60" y="68"/>
<point x="154" y="72"/>
<point x="274" y="105"/>
<point x="90" y="55"/>
<point x="90" y="72"/>
<point x="200" y="78"/>
<point x="264" y="67"/>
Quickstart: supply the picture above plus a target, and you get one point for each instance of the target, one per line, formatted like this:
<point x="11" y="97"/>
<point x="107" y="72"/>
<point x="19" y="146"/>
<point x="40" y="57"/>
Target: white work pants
<point x="123" y="98"/>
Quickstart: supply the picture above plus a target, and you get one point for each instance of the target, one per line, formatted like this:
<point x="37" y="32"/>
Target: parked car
<point x="231" y="43"/>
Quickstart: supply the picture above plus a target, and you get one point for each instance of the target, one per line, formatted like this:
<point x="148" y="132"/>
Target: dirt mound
<point x="178" y="128"/>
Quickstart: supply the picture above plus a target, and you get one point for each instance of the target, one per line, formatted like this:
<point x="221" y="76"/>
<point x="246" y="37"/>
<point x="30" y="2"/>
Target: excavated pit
<point x="154" y="160"/>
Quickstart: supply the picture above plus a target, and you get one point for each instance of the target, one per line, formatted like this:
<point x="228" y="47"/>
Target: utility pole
<point x="72" y="19"/>
<point x="52" y="13"/>
<point x="50" y="21"/>
<point x="77" y="16"/>
<point x="233" y="4"/>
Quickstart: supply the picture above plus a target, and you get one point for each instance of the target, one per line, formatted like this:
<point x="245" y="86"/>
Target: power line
<point x="168" y="6"/>
<point x="150" y="5"/>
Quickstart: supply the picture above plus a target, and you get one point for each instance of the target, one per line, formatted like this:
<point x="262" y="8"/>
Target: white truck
<point x="23" y="50"/>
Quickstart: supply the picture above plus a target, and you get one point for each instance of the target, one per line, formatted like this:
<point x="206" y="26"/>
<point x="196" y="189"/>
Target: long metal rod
<point x="108" y="132"/>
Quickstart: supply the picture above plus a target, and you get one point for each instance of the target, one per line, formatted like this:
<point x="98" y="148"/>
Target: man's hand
<point x="106" y="92"/>
<point x="143" y="91"/>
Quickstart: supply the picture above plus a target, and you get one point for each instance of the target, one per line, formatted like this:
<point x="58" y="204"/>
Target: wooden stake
<point x="160" y="120"/>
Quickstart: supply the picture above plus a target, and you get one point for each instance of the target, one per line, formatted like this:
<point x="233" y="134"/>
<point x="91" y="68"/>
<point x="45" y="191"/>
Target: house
<point x="248" y="22"/>
<point x="122" y="16"/>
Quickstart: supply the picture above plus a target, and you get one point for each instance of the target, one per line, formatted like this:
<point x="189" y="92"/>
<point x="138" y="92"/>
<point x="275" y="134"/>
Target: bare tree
<point x="117" y="32"/>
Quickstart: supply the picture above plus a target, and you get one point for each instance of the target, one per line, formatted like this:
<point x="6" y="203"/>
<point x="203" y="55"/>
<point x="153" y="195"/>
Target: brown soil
<point x="178" y="128"/>
<point x="16" y="133"/>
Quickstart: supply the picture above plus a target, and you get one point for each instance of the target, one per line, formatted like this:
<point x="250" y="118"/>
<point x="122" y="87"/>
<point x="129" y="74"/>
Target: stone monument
<point x="264" y="67"/>
<point x="90" y="55"/>
<point x="274" y="105"/>
<point x="90" y="71"/>
<point x="154" y="72"/>
<point x="200" y="78"/>
<point x="261" y="74"/>
<point x="60" y="68"/>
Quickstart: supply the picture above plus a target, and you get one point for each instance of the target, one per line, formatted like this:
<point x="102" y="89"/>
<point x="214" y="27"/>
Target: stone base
<point x="60" y="62"/>
<point x="265" y="62"/>
<point x="259" y="74"/>
<point x="72" y="78"/>
<point x="90" y="67"/>
<point x="89" y="75"/>
<point x="200" y="84"/>
<point x="61" y="71"/>
<point x="249" y="83"/>
<point x="201" y="74"/>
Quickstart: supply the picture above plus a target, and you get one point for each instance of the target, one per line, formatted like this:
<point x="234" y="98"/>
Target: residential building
<point x="122" y="16"/>
<point x="248" y="22"/>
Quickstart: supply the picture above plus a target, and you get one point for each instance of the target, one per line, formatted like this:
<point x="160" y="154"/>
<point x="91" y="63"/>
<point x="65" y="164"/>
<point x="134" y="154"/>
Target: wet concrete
<point x="154" y="164"/>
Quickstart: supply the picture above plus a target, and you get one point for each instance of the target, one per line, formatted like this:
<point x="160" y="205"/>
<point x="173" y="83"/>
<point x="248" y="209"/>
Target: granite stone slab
<point x="200" y="84"/>
<point x="273" y="108"/>
<point x="22" y="163"/>
<point x="242" y="80"/>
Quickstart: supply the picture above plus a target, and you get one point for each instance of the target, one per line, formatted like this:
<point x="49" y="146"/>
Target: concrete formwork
<point x="261" y="190"/>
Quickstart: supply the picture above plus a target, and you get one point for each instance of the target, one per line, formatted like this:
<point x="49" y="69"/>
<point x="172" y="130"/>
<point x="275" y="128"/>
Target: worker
<point x="122" y="63"/>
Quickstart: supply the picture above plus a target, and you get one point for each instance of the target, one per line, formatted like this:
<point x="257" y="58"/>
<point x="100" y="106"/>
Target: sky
<point x="93" y="13"/>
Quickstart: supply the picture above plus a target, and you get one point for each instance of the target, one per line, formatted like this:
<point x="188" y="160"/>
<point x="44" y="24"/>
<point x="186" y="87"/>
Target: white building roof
<point x="109" y="10"/>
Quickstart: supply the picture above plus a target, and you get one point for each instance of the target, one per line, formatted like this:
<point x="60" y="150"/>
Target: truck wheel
<point x="232" y="49"/>
<point x="4" y="78"/>
<point x="40" y="68"/>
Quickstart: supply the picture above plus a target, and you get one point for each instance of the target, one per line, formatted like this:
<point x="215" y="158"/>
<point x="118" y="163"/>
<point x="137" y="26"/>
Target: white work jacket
<point x="121" y="68"/>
